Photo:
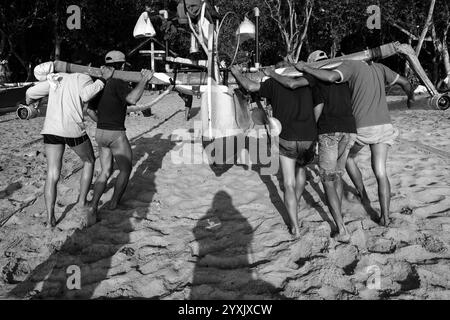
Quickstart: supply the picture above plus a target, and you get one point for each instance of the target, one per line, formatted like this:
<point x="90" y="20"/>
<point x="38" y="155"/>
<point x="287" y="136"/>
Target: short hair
<point x="282" y="64"/>
<point x="116" y="65"/>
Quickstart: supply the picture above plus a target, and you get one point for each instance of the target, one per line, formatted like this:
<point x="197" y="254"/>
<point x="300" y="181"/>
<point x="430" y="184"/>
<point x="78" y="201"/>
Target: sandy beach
<point x="185" y="231"/>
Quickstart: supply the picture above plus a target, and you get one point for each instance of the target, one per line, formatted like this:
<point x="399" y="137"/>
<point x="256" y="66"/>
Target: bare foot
<point x="112" y="205"/>
<point x="90" y="216"/>
<point x="343" y="237"/>
<point x="82" y="205"/>
<point x="50" y="223"/>
<point x="384" y="221"/>
<point x="295" y="231"/>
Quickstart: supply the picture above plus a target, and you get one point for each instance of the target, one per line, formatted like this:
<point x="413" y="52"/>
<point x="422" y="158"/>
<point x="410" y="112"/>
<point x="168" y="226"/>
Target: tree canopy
<point x="35" y="31"/>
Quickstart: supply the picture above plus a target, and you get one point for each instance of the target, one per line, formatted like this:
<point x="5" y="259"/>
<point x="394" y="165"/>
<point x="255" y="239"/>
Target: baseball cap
<point x="114" y="56"/>
<point x="317" y="56"/>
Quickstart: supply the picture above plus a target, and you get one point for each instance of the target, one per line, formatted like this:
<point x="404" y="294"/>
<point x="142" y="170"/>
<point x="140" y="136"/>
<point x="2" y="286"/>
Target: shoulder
<point x="81" y="77"/>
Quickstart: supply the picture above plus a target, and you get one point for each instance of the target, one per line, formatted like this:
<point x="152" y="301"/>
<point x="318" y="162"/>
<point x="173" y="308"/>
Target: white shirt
<point x="64" y="115"/>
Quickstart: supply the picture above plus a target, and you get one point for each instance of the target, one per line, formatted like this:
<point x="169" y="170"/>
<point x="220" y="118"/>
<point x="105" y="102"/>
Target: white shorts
<point x="385" y="133"/>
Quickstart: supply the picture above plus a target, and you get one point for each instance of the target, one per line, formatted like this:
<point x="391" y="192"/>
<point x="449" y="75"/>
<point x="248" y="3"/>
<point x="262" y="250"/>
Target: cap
<point x="317" y="56"/>
<point x="114" y="56"/>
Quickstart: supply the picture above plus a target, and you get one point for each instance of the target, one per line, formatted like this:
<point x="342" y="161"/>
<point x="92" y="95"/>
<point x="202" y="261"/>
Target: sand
<point x="185" y="231"/>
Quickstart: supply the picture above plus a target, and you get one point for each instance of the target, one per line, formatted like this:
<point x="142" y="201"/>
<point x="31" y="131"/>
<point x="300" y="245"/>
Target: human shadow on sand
<point x="95" y="250"/>
<point x="223" y="268"/>
<point x="262" y="156"/>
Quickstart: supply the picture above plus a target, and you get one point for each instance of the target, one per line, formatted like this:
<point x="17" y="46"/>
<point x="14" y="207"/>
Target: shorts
<point x="333" y="152"/>
<point x="105" y="138"/>
<point x="302" y="151"/>
<point x="71" y="142"/>
<point x="385" y="133"/>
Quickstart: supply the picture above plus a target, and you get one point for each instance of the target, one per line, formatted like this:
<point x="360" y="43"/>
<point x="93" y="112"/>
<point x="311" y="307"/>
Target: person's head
<point x="282" y="64"/>
<point x="115" y="59"/>
<point x="317" y="55"/>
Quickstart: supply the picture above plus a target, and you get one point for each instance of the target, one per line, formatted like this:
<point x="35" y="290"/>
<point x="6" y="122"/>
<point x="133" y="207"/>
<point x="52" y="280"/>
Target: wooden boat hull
<point x="11" y="96"/>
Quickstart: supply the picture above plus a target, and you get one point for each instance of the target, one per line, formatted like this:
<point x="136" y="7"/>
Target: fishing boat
<point x="11" y="94"/>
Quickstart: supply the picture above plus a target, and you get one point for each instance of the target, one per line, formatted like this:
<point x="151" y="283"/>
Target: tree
<point x="287" y="14"/>
<point x="17" y="18"/>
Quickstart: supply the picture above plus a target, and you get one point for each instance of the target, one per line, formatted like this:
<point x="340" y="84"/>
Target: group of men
<point x="64" y="124"/>
<point x="344" y="110"/>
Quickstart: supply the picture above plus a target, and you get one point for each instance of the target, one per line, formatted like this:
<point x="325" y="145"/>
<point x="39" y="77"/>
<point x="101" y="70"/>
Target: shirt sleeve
<point x="345" y="71"/>
<point x="38" y="91"/>
<point x="266" y="89"/>
<point x="311" y="79"/>
<point x="93" y="103"/>
<point x="390" y="76"/>
<point x="88" y="88"/>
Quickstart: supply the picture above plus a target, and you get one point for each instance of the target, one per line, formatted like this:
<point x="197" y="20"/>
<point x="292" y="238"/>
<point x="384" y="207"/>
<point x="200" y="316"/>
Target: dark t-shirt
<point x="294" y="109"/>
<point x="337" y="114"/>
<point x="111" y="105"/>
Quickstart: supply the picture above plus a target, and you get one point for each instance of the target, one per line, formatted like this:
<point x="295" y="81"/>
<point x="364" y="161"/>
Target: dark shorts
<point x="302" y="151"/>
<point x="71" y="142"/>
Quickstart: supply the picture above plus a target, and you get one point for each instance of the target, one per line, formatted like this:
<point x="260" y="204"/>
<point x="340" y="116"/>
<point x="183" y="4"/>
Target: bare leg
<point x="291" y="191"/>
<point x="54" y="154"/>
<point x="339" y="186"/>
<point x="356" y="177"/>
<point x="121" y="150"/>
<point x="100" y="184"/>
<point x="86" y="154"/>
<point x="333" y="203"/>
<point x="379" y="157"/>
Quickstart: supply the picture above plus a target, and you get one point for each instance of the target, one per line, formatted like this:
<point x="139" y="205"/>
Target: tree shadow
<point x="92" y="249"/>
<point x="224" y="268"/>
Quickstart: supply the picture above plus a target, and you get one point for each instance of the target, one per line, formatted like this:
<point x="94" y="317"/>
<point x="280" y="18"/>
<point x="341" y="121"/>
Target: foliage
<point x="30" y="30"/>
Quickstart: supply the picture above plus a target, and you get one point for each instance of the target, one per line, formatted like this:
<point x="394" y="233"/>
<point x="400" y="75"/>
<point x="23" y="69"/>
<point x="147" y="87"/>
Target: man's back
<point x="293" y="108"/>
<point x="367" y="83"/>
<point x="112" y="105"/>
<point x="64" y="115"/>
<point x="337" y="115"/>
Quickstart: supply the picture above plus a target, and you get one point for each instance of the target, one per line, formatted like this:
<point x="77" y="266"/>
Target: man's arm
<point x="288" y="82"/>
<point x="246" y="83"/>
<point x="36" y="92"/>
<point x="135" y="94"/>
<point x="90" y="89"/>
<point x="92" y="114"/>
<point x="324" y="75"/>
<point x="406" y="86"/>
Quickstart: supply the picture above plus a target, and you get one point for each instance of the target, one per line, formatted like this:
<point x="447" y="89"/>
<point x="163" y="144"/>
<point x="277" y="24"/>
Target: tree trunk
<point x="425" y="28"/>
<point x="308" y="12"/>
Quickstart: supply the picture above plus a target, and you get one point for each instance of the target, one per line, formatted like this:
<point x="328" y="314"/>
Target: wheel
<point x="440" y="101"/>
